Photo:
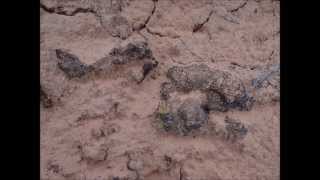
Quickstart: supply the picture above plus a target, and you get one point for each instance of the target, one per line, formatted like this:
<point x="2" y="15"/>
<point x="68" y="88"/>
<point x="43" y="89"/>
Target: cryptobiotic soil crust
<point x="160" y="90"/>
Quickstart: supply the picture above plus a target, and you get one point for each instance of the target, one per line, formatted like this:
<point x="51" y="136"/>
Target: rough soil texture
<point x="160" y="90"/>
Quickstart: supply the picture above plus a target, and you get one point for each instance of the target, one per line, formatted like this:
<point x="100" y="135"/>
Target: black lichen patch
<point x="119" y="26"/>
<point x="165" y="90"/>
<point x="215" y="102"/>
<point x="191" y="77"/>
<point x="136" y="51"/>
<point x="243" y="103"/>
<point x="235" y="129"/>
<point x="189" y="117"/>
<point x="168" y="121"/>
<point x="131" y="52"/>
<point x="71" y="65"/>
<point x="223" y="89"/>
<point x="147" y="68"/>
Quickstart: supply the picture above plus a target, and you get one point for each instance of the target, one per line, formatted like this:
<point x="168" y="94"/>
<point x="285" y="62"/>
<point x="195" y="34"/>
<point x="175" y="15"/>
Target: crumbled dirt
<point x="45" y="99"/>
<point x="111" y="95"/>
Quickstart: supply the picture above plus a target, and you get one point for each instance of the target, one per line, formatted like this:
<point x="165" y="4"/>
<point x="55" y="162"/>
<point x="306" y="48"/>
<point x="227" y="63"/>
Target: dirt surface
<point x="160" y="90"/>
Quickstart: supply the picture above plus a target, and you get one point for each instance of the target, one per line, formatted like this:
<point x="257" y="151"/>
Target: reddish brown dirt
<point x="102" y="128"/>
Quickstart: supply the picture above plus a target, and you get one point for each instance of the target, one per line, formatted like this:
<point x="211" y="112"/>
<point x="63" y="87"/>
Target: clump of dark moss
<point x="131" y="52"/>
<point x="215" y="102"/>
<point x="235" y="129"/>
<point x="136" y="51"/>
<point x="167" y="118"/>
<point x="243" y="103"/>
<point x="71" y="65"/>
<point x="192" y="114"/>
<point x="119" y="26"/>
<point x="165" y="90"/>
<point x="168" y="121"/>
<point x="189" y="116"/>
<point x="191" y="77"/>
<point x="224" y="90"/>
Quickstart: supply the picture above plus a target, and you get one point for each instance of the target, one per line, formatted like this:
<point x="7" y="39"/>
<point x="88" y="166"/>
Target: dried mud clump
<point x="71" y="65"/>
<point x="224" y="89"/>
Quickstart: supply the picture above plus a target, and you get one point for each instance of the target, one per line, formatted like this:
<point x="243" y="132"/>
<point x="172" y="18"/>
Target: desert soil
<point x="105" y="127"/>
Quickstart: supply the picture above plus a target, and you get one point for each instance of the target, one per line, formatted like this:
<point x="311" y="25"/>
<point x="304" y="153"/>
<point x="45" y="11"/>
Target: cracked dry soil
<point x="160" y="89"/>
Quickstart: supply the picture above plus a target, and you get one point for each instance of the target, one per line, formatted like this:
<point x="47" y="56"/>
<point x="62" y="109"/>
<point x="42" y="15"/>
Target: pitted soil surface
<point x="116" y="74"/>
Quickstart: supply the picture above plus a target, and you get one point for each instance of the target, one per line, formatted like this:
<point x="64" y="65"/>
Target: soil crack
<point x="180" y="174"/>
<point x="149" y="17"/>
<point x="154" y="33"/>
<point x="160" y="34"/>
<point x="239" y="7"/>
<point x="197" y="27"/>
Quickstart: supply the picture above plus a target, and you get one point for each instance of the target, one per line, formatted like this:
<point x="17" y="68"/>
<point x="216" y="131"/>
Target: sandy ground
<point x="102" y="128"/>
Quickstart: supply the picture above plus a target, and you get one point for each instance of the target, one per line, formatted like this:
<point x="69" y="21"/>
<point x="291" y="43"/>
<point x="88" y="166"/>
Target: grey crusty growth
<point x="224" y="89"/>
<point x="138" y="51"/>
<point x="235" y="129"/>
<point x="192" y="115"/>
<point x="133" y="51"/>
<point x="71" y="65"/>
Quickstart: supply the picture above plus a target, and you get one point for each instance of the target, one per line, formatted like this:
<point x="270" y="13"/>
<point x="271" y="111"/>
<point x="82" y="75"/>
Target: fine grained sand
<point x="103" y="127"/>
